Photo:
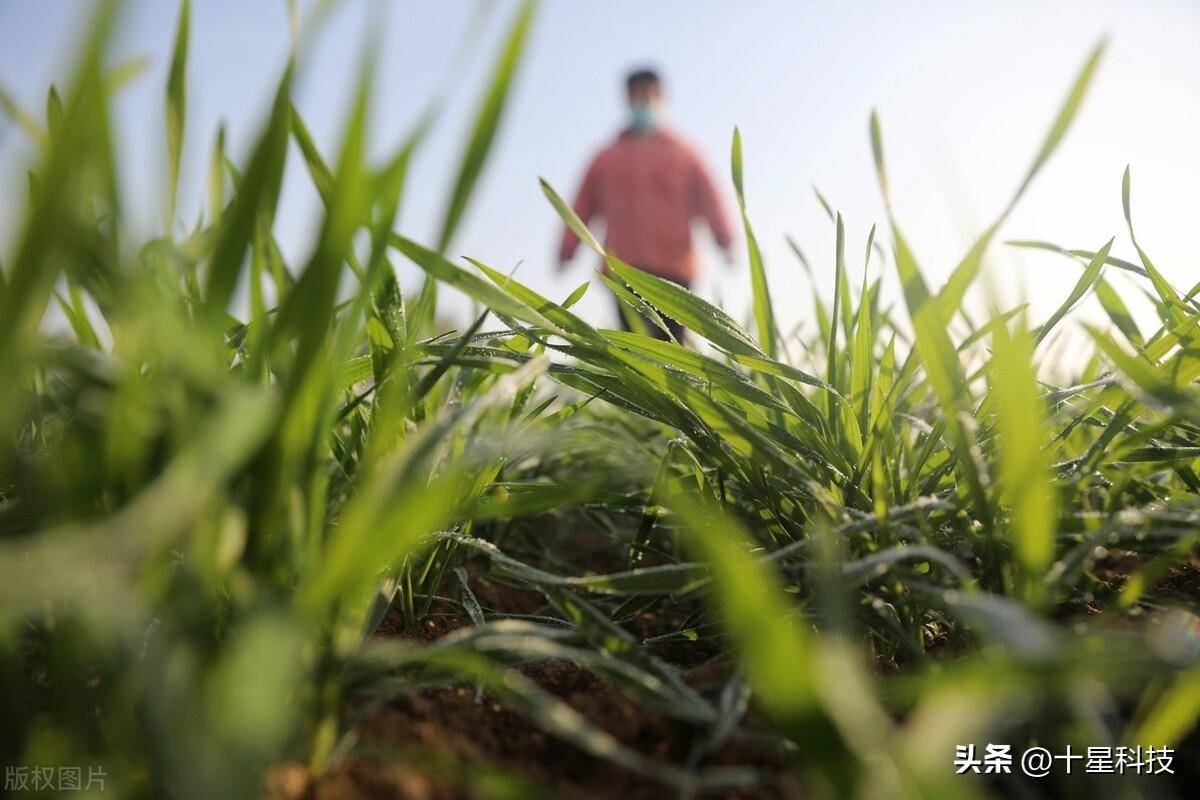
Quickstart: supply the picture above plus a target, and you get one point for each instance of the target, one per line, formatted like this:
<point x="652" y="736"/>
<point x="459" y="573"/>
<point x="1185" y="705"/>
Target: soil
<point x="1179" y="586"/>
<point x="466" y="732"/>
<point x="448" y="743"/>
<point x="453" y="742"/>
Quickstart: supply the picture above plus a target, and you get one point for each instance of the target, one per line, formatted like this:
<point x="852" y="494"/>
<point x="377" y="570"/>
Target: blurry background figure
<point x="649" y="186"/>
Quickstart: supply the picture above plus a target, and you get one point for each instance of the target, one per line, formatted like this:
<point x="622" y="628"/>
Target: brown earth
<point x="468" y="733"/>
<point x="451" y="742"/>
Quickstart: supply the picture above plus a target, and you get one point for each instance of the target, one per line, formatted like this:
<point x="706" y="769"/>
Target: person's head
<point x="643" y="88"/>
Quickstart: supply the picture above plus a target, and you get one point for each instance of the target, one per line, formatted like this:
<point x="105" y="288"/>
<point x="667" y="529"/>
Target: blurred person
<point x="648" y="186"/>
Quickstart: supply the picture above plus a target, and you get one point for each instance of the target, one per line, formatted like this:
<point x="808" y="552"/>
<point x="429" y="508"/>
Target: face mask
<point x="644" y="118"/>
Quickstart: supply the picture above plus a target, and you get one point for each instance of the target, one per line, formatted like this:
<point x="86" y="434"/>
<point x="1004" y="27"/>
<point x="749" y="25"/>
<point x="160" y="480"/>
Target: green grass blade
<point x="25" y="121"/>
<point x="861" y="362"/>
<point x="1083" y="255"/>
<point x="1180" y="319"/>
<point x="438" y="267"/>
<point x="839" y="271"/>
<point x="54" y="113"/>
<point x="255" y="200"/>
<point x="1066" y="114"/>
<point x="764" y="314"/>
<point x="686" y="308"/>
<point x="177" y="106"/>
<point x="950" y="297"/>
<point x="1173" y="716"/>
<point x="571" y="219"/>
<point x="318" y="170"/>
<point x="1089" y="278"/>
<point x="487" y="121"/>
<point x="308" y="310"/>
<point x="84" y="144"/>
<point x="1118" y="312"/>
<point x="1024" y="469"/>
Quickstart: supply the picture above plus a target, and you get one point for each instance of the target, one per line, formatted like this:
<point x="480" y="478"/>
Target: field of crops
<point x="327" y="548"/>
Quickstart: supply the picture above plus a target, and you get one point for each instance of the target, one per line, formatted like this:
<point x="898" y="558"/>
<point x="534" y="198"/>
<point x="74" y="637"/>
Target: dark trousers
<point x="676" y="329"/>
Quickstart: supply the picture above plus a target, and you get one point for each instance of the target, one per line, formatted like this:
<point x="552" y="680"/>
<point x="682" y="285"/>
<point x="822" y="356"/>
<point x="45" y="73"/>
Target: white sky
<point x="965" y="91"/>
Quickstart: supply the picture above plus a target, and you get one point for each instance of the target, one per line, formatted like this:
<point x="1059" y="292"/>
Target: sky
<point x="965" y="93"/>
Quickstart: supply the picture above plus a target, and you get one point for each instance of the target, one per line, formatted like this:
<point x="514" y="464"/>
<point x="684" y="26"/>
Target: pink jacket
<point x="649" y="188"/>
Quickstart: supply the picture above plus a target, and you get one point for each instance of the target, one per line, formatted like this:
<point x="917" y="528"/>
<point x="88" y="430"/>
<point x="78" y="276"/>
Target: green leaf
<point x="308" y="310"/>
<point x="937" y="354"/>
<point x="487" y="121"/>
<point x="721" y="376"/>
<point x="54" y="113"/>
<point x="686" y="308"/>
<point x="436" y="266"/>
<point x="353" y="371"/>
<point x="951" y="295"/>
<point x="839" y="270"/>
<point x="1025" y="473"/>
<point x="22" y="117"/>
<point x="576" y="295"/>
<point x="1089" y="278"/>
<point x="563" y="319"/>
<point x="778" y="652"/>
<point x="53" y="213"/>
<point x="1118" y="312"/>
<point x="92" y="561"/>
<point x="400" y="503"/>
<point x="1180" y="319"/>
<point x="764" y="314"/>
<point x="255" y="201"/>
<point x="1066" y="114"/>
<point x="1084" y="255"/>
<point x="571" y="219"/>
<point x="177" y="106"/>
<point x="634" y="310"/>
<point x="880" y="165"/>
<point x="216" y="177"/>
<point x="318" y="170"/>
<point x="1144" y="375"/>
<point x="861" y="363"/>
<point x="1173" y="716"/>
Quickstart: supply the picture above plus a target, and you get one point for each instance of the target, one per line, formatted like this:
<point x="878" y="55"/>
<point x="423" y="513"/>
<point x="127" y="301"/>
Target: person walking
<point x="649" y="186"/>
